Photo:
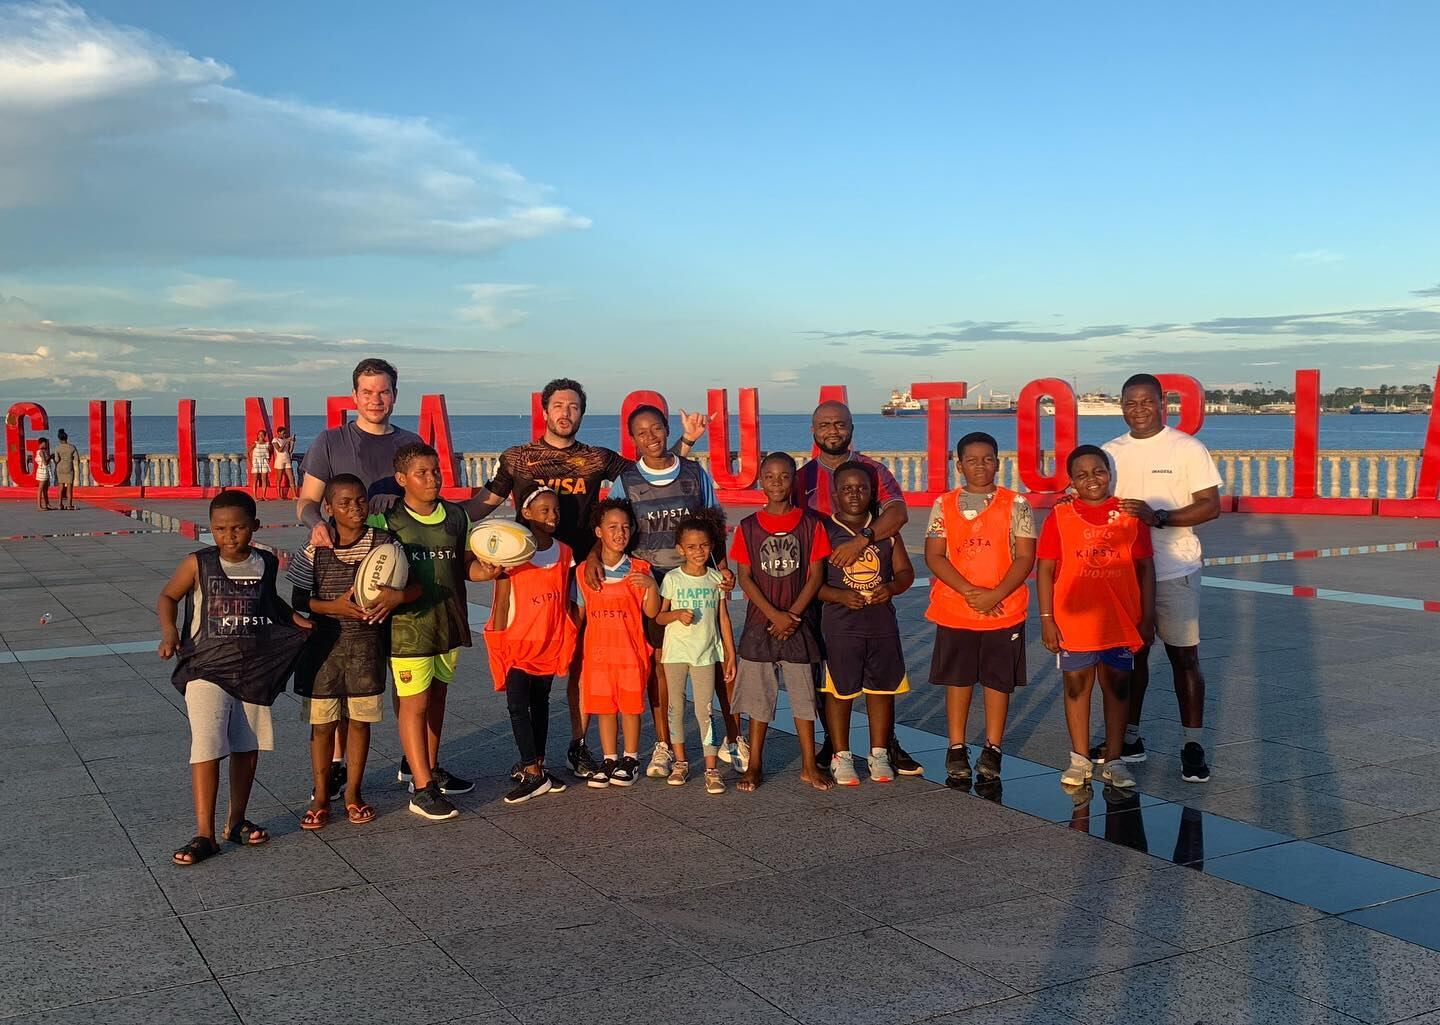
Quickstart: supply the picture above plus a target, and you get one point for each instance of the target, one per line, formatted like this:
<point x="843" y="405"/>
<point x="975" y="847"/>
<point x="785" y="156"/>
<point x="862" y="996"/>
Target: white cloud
<point x="203" y="293"/>
<point x="1374" y="366"/>
<point x="1317" y="256"/>
<point x="118" y="146"/>
<point x="487" y="308"/>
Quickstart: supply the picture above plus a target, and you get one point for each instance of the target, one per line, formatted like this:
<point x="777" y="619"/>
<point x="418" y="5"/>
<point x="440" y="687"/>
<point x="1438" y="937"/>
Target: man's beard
<point x="838" y="448"/>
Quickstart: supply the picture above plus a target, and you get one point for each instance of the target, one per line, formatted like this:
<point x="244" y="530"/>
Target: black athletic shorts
<point x="856" y="664"/>
<point x="991" y="658"/>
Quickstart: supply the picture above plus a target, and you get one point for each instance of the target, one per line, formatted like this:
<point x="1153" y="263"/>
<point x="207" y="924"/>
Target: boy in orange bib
<point x="980" y="547"/>
<point x="1097" y="607"/>
<point x="617" y="654"/>
<point x="530" y="638"/>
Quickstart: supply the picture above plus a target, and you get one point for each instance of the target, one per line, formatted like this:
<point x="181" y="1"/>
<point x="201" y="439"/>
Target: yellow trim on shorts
<point x="903" y="687"/>
<point x="422" y="671"/>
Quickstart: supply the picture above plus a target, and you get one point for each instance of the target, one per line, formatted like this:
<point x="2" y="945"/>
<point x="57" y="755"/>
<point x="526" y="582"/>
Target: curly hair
<point x="711" y="521"/>
<point x="597" y="515"/>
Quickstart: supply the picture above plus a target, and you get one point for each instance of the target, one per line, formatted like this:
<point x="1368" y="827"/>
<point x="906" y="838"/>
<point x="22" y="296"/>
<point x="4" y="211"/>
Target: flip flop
<point x="250" y="835"/>
<point x="199" y="848"/>
<point x="359" y="814"/>
<point x="315" y="819"/>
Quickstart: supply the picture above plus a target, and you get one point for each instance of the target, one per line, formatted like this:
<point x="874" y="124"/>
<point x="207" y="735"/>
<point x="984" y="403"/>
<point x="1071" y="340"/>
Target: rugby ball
<point x="384" y="566"/>
<point x="502" y="543"/>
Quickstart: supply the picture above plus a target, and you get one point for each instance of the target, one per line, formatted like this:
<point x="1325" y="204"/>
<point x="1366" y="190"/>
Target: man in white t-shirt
<point x="1167" y="479"/>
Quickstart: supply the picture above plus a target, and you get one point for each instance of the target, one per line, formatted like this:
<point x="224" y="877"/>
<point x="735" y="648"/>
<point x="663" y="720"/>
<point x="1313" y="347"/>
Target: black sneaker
<point x="528" y="787"/>
<point x="451" y="783"/>
<point x="431" y="804"/>
<point x="1192" y="764"/>
<point x="557" y="785"/>
<point x="600" y="778"/>
<point x="957" y="764"/>
<point x="517" y="771"/>
<point x="582" y="763"/>
<point x="339" y="776"/>
<point x="989" y="765"/>
<point x="1128" y="752"/>
<point x="405" y="775"/>
<point x="991" y="790"/>
<point x="826" y="754"/>
<point x="626" y="771"/>
<point x="902" y="763"/>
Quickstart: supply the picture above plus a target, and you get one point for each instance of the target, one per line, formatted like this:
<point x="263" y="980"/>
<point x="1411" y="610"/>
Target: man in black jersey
<point x="576" y="472"/>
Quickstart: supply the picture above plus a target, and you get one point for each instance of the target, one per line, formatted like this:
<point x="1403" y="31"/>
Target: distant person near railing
<point x="67" y="464"/>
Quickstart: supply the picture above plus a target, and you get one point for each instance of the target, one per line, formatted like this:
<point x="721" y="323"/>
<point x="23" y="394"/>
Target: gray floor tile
<point x="635" y="870"/>
<point x="811" y="984"/>
<point x="1290" y="809"/>
<point x="564" y="825"/>
<point x="466" y="841"/>
<point x="80" y="903"/>
<point x="79" y="967"/>
<point x="528" y="889"/>
<point x="1378" y="785"/>
<point x="1360" y="972"/>
<point x="289" y="931"/>
<point x="1048" y="857"/>
<point x="198" y="1004"/>
<point x="1411" y="842"/>
<point x="413" y="984"/>
<point x="1014" y="1011"/>
<point x="1322" y="877"/>
<point x="566" y="945"/>
<point x="99" y="845"/>
<point x="942" y="816"/>
<point x="699" y="995"/>
<point x="751" y="915"/>
<point x="805" y="839"/>
<point x="1184" y="990"/>
<point x="289" y="865"/>
<point x="913" y="885"/>
<point x="1038" y="941"/>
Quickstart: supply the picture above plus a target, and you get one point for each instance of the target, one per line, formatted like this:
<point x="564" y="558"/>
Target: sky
<point x="217" y="201"/>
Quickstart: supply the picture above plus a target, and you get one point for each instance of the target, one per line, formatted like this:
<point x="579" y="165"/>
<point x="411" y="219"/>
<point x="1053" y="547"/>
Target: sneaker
<point x="880" y="770"/>
<point x="713" y="783"/>
<point x="600" y="778"/>
<point x="989" y="765"/>
<point x="528" y="787"/>
<point x="1128" y="752"/>
<point x="404" y="775"/>
<point x="742" y="754"/>
<point x="957" y="764"/>
<point x="339" y="776"/>
<point x="826" y="754"/>
<point x="993" y="790"/>
<point x="842" y="767"/>
<point x="557" y="785"/>
<point x="679" y="773"/>
<point x="582" y="763"/>
<point x="451" y="783"/>
<point x="725" y="752"/>
<point x="660" y="761"/>
<point x="903" y="763"/>
<point x="1192" y="764"/>
<point x="1080" y="770"/>
<point x="431" y="804"/>
<point x="626" y="771"/>
<point x="517" y="771"/>
<point x="1116" y="773"/>
<point x="1080" y="794"/>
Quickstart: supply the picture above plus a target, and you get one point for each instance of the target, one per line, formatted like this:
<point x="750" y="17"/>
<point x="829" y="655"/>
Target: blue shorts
<point x="1116" y="658"/>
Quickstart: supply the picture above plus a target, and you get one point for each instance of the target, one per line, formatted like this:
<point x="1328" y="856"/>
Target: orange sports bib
<point x="980" y="550"/>
<point x="1097" y="595"/>
<point x="541" y="637"/>
<point x="617" y="656"/>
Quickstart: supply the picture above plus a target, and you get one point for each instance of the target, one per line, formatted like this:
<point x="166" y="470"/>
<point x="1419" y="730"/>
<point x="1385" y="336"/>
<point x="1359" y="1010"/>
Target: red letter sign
<point x="1027" y="433"/>
<point x="185" y="442"/>
<point x="1192" y="400"/>
<point x="17" y="449"/>
<point x="336" y="406"/>
<point x="1426" y="501"/>
<point x="106" y="470"/>
<point x="937" y="395"/>
<point x="748" y="464"/>
<point x="435" y="432"/>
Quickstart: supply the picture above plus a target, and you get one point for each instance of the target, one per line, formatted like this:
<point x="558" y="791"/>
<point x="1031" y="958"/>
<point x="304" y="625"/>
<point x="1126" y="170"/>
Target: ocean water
<point x="791" y="431"/>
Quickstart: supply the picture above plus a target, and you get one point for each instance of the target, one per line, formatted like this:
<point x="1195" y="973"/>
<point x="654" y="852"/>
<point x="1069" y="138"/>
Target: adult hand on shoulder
<point x="846" y="552"/>
<point x="321" y="537"/>
<point x="1050" y="633"/>
<point x="1138" y="509"/>
<point x="592" y="573"/>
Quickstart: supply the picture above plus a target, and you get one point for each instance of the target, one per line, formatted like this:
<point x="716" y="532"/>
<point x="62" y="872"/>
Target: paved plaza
<point x="1302" y="884"/>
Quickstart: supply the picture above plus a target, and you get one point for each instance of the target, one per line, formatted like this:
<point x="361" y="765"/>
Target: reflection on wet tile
<point x="1416" y="919"/>
<point x="1327" y="879"/>
<point x="1044" y="797"/>
<point x="1186" y="836"/>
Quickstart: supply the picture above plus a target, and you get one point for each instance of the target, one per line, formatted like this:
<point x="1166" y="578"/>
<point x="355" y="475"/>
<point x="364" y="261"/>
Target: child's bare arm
<point x="668" y="615"/>
<point x="903" y="568"/>
<point x="651" y="596"/>
<point x="1145" y="572"/>
<point x="167" y="606"/>
<point x="938" y="562"/>
<point x="814" y="578"/>
<point x="1045" y="589"/>
<point x="500" y="602"/>
<point x="727" y="640"/>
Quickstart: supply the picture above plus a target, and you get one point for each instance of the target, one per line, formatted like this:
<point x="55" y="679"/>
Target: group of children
<point x="827" y="634"/>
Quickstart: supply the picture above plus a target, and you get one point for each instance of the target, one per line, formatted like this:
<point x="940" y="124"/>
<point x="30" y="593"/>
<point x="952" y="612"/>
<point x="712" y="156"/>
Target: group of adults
<point x="1163" y="476"/>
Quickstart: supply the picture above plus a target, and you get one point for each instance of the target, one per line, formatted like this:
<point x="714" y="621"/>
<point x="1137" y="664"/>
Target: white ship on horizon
<point x="1095" y="403"/>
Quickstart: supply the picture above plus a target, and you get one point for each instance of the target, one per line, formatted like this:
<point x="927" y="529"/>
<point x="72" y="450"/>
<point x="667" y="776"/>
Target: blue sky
<point x="224" y="200"/>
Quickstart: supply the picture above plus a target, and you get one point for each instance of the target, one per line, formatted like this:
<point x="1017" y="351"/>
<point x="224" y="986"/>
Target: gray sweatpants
<point x="702" y="678"/>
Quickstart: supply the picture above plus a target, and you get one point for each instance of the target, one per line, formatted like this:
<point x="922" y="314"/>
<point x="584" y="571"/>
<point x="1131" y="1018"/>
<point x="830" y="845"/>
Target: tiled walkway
<point x="1301" y="885"/>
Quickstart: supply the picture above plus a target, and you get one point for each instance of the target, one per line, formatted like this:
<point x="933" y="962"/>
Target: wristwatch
<point x="1162" y="517"/>
<point x="867" y="533"/>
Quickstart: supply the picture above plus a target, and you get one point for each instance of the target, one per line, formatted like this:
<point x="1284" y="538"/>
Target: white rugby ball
<point x="385" y="566"/>
<point x="502" y="543"/>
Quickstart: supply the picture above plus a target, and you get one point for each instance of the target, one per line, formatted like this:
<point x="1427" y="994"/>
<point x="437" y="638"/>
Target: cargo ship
<point x="994" y="404"/>
<point x="1367" y="409"/>
<point x="902" y="403"/>
<point x="1095" y="403"/>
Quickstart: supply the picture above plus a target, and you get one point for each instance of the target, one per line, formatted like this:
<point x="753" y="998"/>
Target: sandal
<point x="250" y="835"/>
<point x="196" y="851"/>
<point x="315" y="818"/>
<point x="359" y="814"/>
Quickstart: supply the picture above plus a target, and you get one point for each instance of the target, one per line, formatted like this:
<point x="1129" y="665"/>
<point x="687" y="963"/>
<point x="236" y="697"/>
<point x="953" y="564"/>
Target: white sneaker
<point x="842" y="767"/>
<point x="1081" y="769"/>
<point x="1116" y="773"/>
<point x="661" y="759"/>
<point x="742" y="753"/>
<point x="880" y="770"/>
<point x="725" y="751"/>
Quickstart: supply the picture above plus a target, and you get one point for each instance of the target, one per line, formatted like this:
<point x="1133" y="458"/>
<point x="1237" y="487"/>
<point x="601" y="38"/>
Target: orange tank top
<point x="615" y="645"/>
<point x="540" y="639"/>
<point x="980" y="550"/>
<point x="1097" y="594"/>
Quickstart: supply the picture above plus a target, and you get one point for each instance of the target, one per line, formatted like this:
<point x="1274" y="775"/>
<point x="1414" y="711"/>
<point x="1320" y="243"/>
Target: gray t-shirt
<point x="348" y="449"/>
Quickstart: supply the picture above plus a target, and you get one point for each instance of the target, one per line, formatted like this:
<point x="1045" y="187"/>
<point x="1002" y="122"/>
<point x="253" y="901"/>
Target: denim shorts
<point x="1116" y="658"/>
